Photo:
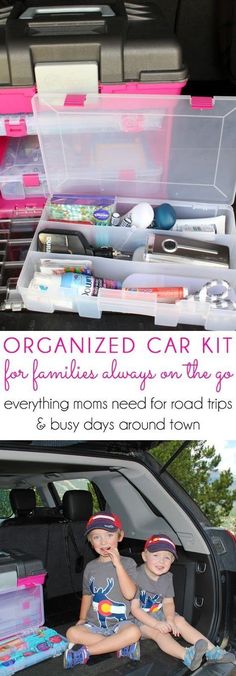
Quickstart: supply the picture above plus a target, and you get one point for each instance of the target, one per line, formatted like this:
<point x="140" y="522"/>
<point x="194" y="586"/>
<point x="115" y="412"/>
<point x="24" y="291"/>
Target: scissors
<point x="218" y="293"/>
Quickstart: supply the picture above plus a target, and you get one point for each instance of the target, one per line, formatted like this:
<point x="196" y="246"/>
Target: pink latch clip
<point x="75" y="100"/>
<point x="202" y="102"/>
<point x="16" y="130"/>
<point x="132" y="123"/>
<point x="30" y="180"/>
<point x="127" y="175"/>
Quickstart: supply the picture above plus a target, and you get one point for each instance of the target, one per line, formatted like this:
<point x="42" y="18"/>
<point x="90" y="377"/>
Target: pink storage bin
<point x="32" y="580"/>
<point x="127" y="56"/>
<point x="15" y="100"/>
<point x="23" y="638"/>
<point x="18" y="569"/>
<point x="125" y="49"/>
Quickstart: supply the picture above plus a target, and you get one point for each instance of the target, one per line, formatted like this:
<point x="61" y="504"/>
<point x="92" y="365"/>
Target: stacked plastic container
<point x="23" y="638"/>
<point x="112" y="48"/>
<point x="85" y="48"/>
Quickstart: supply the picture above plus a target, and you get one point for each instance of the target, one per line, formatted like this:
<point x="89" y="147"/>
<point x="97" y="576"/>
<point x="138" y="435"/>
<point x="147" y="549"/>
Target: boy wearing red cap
<point x="106" y="624"/>
<point x="154" y="608"/>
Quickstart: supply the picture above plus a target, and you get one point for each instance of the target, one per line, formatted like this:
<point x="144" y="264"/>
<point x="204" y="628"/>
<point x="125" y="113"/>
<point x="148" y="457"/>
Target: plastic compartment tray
<point x="150" y="148"/>
<point x="133" y="274"/>
<point x="21" y="168"/>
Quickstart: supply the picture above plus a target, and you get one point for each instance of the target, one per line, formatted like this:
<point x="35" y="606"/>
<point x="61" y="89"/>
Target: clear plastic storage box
<point x="22" y="172"/>
<point x="21" y="610"/>
<point x="24" y="640"/>
<point x="144" y="148"/>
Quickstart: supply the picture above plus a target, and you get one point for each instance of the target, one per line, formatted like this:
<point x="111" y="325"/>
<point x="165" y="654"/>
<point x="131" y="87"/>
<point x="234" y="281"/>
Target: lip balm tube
<point x="126" y="222"/>
<point x="115" y="218"/>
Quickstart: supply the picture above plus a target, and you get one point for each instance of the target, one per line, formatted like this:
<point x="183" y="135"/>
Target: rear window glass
<point x="5" y="505"/>
<point x="77" y="484"/>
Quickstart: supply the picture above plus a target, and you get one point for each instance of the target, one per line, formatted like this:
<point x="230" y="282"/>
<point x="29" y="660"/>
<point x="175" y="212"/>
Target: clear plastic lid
<point x="21" y="158"/>
<point x="21" y="610"/>
<point x="144" y="146"/>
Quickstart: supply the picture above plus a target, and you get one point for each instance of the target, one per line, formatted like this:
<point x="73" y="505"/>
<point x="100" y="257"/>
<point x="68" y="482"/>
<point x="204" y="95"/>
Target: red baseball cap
<point x="106" y="521"/>
<point x="160" y="543"/>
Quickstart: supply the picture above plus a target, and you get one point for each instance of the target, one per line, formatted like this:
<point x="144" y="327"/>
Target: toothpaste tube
<point x="195" y="228"/>
<point x="210" y="225"/>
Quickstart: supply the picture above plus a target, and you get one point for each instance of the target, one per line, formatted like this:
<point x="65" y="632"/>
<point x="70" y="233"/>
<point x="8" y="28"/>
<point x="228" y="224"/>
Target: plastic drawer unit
<point x="21" y="592"/>
<point x="21" y="171"/>
<point x="80" y="48"/>
<point x="23" y="638"/>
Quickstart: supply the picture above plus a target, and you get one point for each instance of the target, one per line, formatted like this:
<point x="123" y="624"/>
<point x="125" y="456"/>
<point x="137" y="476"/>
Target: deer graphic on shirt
<point x="104" y="606"/>
<point x="150" y="604"/>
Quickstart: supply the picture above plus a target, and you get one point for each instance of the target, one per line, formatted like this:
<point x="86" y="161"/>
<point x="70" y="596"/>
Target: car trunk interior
<point x="127" y="487"/>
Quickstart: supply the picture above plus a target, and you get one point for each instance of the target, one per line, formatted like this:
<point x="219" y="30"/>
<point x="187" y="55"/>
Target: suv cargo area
<point x="123" y="478"/>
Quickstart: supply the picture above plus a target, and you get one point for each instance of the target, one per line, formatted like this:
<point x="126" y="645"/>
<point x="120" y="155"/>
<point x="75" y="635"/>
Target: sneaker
<point x="193" y="655"/>
<point x="132" y="651"/>
<point x="76" y="655"/>
<point x="216" y="654"/>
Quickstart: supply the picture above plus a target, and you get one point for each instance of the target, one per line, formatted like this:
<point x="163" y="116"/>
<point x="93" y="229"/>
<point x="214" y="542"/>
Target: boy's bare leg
<point x="165" y="641"/>
<point x="98" y="644"/>
<point x="189" y="633"/>
<point x="80" y="634"/>
<point x="124" y="637"/>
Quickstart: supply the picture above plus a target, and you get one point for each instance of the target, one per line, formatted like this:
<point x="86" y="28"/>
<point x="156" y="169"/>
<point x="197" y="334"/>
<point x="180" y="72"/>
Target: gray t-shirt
<point x="152" y="593"/>
<point x="108" y="603"/>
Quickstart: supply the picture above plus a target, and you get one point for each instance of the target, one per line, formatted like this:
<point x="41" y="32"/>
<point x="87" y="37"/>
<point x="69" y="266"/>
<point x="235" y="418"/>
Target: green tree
<point x="5" y="507"/>
<point x="194" y="469"/>
<point x="96" y="506"/>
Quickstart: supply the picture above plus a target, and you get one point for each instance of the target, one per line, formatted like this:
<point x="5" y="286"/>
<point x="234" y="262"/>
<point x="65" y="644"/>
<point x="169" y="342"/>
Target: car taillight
<point x="231" y="534"/>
